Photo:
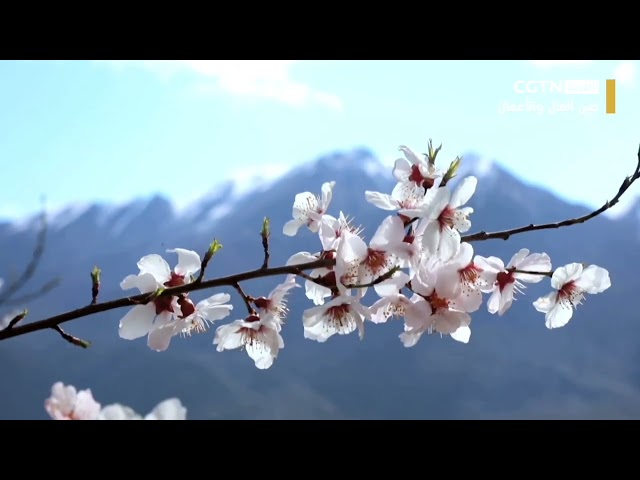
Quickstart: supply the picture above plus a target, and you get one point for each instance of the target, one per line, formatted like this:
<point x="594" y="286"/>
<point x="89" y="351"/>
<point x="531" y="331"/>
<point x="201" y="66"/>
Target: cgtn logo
<point x="567" y="87"/>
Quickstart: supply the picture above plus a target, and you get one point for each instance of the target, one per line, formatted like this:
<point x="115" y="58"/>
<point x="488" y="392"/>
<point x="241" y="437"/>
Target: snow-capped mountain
<point x="513" y="365"/>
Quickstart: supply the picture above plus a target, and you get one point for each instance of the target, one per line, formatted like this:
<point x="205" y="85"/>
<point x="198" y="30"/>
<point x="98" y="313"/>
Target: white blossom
<point x="309" y="209"/>
<point x="66" y="403"/>
<point x="571" y="283"/>
<point x="259" y="336"/>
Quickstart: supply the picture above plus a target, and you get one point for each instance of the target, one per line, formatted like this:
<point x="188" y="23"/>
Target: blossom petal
<point x="401" y="169"/>
<point x="558" y="316"/>
<point x="116" y="411"/>
<point x="170" y="409"/>
<point x="594" y="279"/>
<point x="391" y="230"/>
<point x="327" y="194"/>
<point x="566" y="274"/>
<point x="86" y="407"/>
<point x="145" y="282"/>
<point x="410" y="338"/>
<point x="438" y="201"/>
<point x="462" y="334"/>
<point x="449" y="244"/>
<point x="228" y="337"/>
<point x="392" y="285"/>
<point x="381" y="200"/>
<point x="156" y="266"/>
<point x="303" y="204"/>
<point x="545" y="304"/>
<point x="506" y="298"/>
<point x="138" y="322"/>
<point x="160" y="336"/>
<point x="463" y="192"/>
<point x="291" y="227"/>
<point x="188" y="261"/>
<point x="493" y="304"/>
<point x="301" y="257"/>
<point x="431" y="237"/>
<point x="536" y="262"/>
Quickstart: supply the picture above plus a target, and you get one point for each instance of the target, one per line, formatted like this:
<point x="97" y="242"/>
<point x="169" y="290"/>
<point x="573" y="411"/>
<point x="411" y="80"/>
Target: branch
<point x="264" y="233"/>
<point x="211" y="251"/>
<point x="31" y="268"/>
<point x="78" y="342"/>
<point x="95" y="284"/>
<point x="14" y="321"/>
<point x="505" y="234"/>
<point x="230" y="280"/>
<point x="245" y="298"/>
<point x="544" y="274"/>
<point x="385" y="276"/>
<point x="47" y="287"/>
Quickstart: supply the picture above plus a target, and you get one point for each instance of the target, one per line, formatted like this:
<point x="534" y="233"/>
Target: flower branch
<point x="433" y="260"/>
<point x="505" y="234"/>
<point x="145" y="297"/>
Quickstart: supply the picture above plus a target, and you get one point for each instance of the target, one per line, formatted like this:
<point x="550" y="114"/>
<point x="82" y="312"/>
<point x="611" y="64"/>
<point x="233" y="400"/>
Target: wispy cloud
<point x="559" y="63"/>
<point x="267" y="79"/>
<point x="625" y="73"/>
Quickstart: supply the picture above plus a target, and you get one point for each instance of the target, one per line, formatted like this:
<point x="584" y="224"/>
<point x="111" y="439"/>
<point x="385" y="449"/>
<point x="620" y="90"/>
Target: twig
<point x="544" y="274"/>
<point x="245" y="298"/>
<point x="265" y="233"/>
<point x="78" y="342"/>
<point x="95" y="284"/>
<point x="211" y="251"/>
<point x="145" y="297"/>
<point x="505" y="234"/>
<point x="307" y="276"/>
<point x="47" y="287"/>
<point x="17" y="318"/>
<point x="375" y="281"/>
<point x="32" y="266"/>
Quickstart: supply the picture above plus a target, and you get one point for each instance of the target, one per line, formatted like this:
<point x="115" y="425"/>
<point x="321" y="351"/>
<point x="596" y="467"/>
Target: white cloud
<point x="270" y="79"/>
<point x="559" y="63"/>
<point x="625" y="73"/>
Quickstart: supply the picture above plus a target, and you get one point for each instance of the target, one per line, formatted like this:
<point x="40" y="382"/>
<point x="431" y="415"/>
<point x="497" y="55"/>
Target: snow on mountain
<point x="219" y="202"/>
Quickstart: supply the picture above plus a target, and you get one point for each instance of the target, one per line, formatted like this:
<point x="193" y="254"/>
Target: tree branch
<point x="505" y="234"/>
<point x="142" y="298"/>
<point x="245" y="298"/>
<point x="31" y="267"/>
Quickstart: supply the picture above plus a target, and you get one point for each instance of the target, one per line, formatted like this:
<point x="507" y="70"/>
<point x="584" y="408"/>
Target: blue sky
<point x="80" y="131"/>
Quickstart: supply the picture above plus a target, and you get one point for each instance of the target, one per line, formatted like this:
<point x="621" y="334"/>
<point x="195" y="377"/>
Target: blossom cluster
<point x="68" y="403"/>
<point x="416" y="263"/>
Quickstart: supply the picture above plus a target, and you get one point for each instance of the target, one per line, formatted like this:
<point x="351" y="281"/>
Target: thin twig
<point x="544" y="274"/>
<point x="78" y="342"/>
<point x="47" y="287"/>
<point x="95" y="284"/>
<point x="32" y="266"/>
<point x="14" y="321"/>
<point x="265" y="233"/>
<point x="505" y="234"/>
<point x="376" y="281"/>
<point x="211" y="251"/>
<point x="145" y="297"/>
<point x="245" y="298"/>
